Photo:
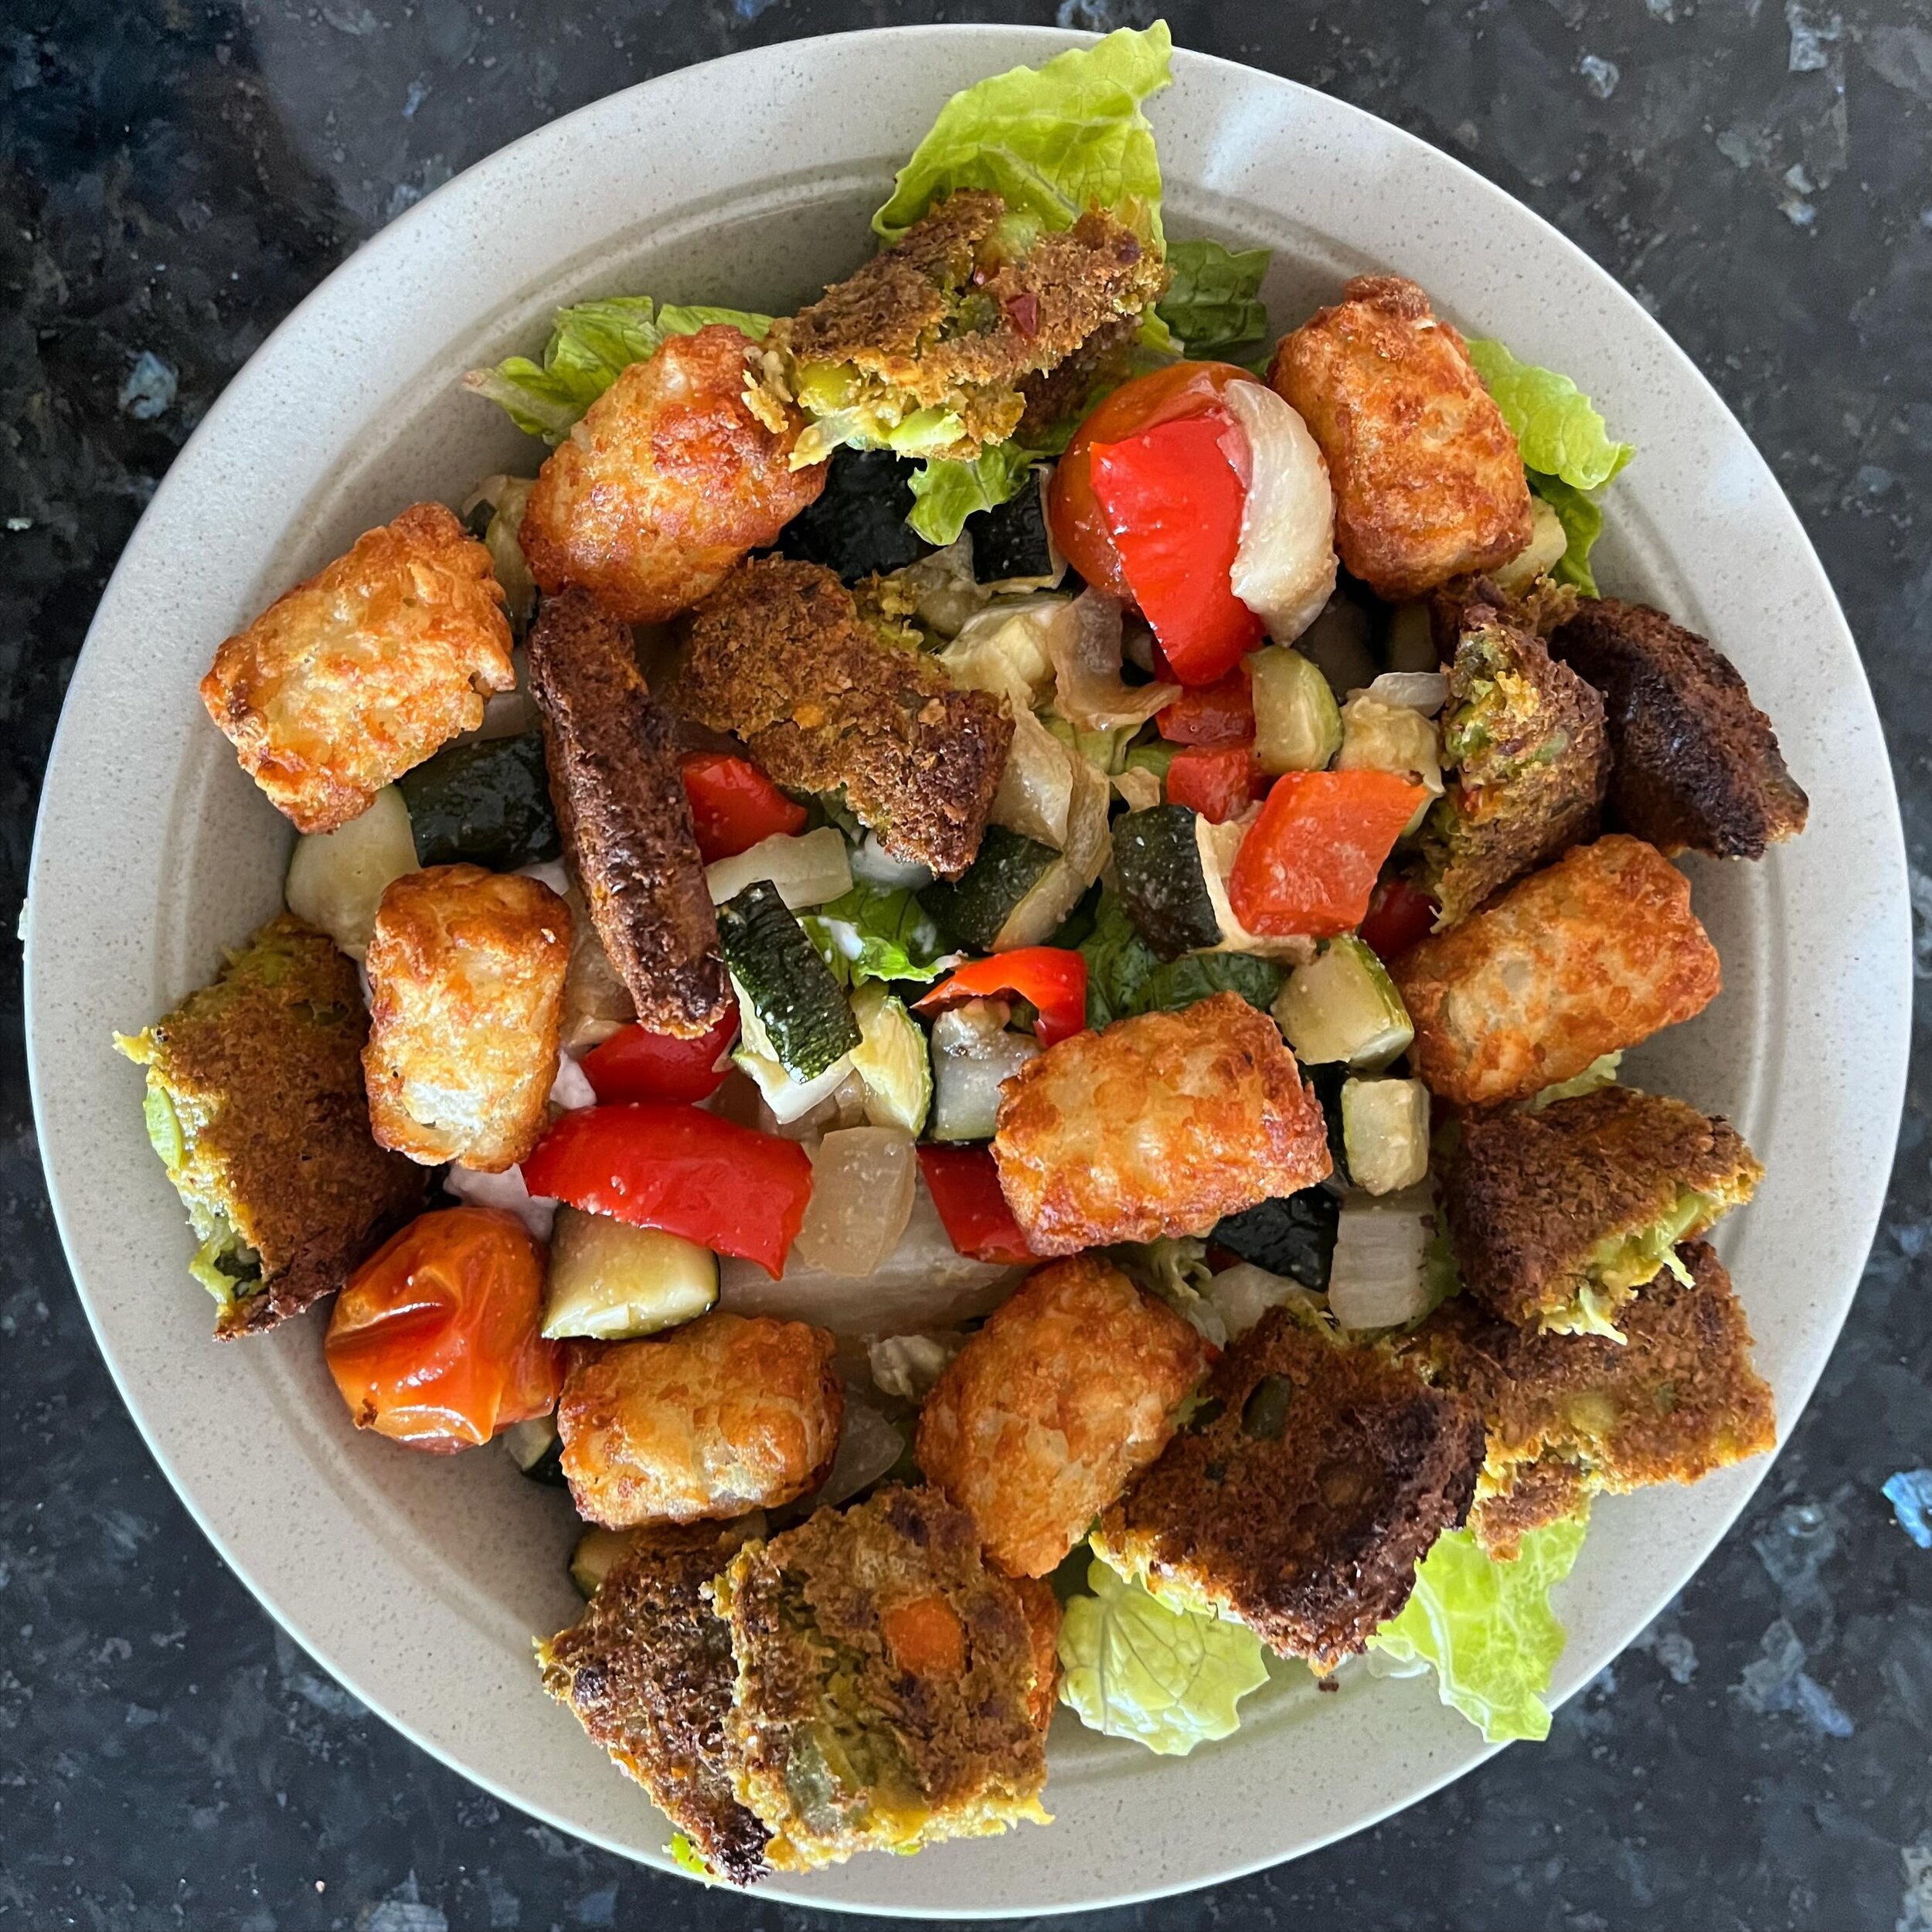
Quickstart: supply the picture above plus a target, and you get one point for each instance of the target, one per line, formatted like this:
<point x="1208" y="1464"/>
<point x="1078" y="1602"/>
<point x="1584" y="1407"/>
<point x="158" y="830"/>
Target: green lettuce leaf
<point x="1118" y="961"/>
<point x="1133" y="1667"/>
<point x="1053" y="140"/>
<point x="946" y="493"/>
<point x="872" y="933"/>
<point x="1212" y="303"/>
<point x="590" y="345"/>
<point x="688" y="1857"/>
<point x="1124" y="975"/>
<point x="1582" y="518"/>
<point x="1488" y="1628"/>
<point x="1558" y="432"/>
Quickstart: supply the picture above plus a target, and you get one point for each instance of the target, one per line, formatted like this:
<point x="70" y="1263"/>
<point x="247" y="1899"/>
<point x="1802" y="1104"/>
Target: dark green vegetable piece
<point x="1158" y="866"/>
<point x="1118" y="960"/>
<point x="1183" y="982"/>
<point x="970" y="911"/>
<point x="1293" y="1235"/>
<point x="805" y="1016"/>
<point x="1009" y="540"/>
<point x="487" y="804"/>
<point x="858" y="526"/>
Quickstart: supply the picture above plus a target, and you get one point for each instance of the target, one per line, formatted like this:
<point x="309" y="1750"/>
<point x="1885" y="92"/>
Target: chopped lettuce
<point x="1212" y="305"/>
<point x="1558" y="432"/>
<point x="946" y="493"/>
<point x="1582" y="518"/>
<point x="1601" y="1072"/>
<point x="1118" y="960"/>
<point x="1132" y="1666"/>
<point x="1124" y="975"/>
<point x="875" y="933"/>
<point x="590" y="345"/>
<point x="688" y="1857"/>
<point x="1486" y="1626"/>
<point x="1053" y="140"/>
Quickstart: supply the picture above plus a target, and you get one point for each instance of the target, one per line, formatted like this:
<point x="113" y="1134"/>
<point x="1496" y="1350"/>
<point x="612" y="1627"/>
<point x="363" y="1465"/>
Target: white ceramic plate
<point x="419" y="1582"/>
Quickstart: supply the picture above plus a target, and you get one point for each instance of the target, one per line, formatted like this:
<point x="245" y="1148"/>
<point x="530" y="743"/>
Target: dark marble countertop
<point x="176" y="174"/>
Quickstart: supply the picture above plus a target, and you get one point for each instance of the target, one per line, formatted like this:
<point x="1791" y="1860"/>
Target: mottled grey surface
<point x="175" y="174"/>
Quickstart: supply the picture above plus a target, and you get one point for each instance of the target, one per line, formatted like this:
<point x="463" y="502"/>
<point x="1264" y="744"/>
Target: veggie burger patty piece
<point x="1698" y="764"/>
<point x="1586" y="957"/>
<point x="1568" y="1414"/>
<point x="886" y="1680"/>
<point x="619" y="792"/>
<point x="1159" y="1125"/>
<point x="1558" y="1217"/>
<point x="779" y="655"/>
<point x="345" y="681"/>
<point x="256" y="1103"/>
<point x="647" y="1670"/>
<point x="1310" y="1484"/>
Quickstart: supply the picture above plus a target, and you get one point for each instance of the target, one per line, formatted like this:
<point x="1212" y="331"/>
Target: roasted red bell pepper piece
<point x="1219" y="713"/>
<point x="965" y="1185"/>
<point x="637" y="1064"/>
<point x="1218" y="782"/>
<point x="1310" y="862"/>
<point x="1400" y="916"/>
<point x="733" y="804"/>
<point x="658" y="1164"/>
<point x="1052" y="978"/>
<point x="1173" y="503"/>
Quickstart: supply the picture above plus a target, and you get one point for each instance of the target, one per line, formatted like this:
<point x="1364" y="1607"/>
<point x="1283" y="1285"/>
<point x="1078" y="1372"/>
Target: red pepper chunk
<point x="637" y="1064"/>
<point x="1310" y="863"/>
<point x="965" y="1185"/>
<point x="658" y="1165"/>
<point x="1217" y="782"/>
<point x="1219" y="713"/>
<point x="1173" y="505"/>
<point x="1053" y="979"/>
<point x="1400" y="916"/>
<point x="733" y="804"/>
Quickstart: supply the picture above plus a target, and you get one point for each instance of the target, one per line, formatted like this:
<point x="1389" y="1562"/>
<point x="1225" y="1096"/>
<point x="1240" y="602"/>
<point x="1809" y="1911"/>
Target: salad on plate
<point x="966" y="967"/>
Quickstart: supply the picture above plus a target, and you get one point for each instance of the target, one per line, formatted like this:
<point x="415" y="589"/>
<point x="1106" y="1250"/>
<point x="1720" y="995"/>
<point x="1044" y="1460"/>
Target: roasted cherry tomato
<point x="1400" y="916"/>
<point x="1310" y="862"/>
<point x="436" y="1339"/>
<point x="1053" y="977"/>
<point x="1218" y="781"/>
<point x="1073" y="512"/>
<point x="965" y="1185"/>
<point x="1219" y="713"/>
<point x="637" y="1064"/>
<point x="733" y="804"/>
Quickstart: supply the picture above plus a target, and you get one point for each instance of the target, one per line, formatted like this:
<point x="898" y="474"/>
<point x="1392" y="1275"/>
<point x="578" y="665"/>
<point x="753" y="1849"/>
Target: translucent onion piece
<point x="1285" y="567"/>
<point x="1377" y="1280"/>
<point x="1424" y="691"/>
<point x="869" y="1445"/>
<point x="809" y="868"/>
<point x="1089" y="693"/>
<point x="862" y="1179"/>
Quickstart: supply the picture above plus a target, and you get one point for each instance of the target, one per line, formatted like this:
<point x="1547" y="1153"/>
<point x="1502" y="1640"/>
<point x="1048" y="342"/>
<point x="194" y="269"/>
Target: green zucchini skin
<point x="1159" y="866"/>
<point x="487" y="804"/>
<point x="803" y="1009"/>
<point x="970" y="911"/>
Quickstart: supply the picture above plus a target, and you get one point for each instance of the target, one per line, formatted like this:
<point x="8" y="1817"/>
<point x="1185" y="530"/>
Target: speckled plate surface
<point x="420" y="1582"/>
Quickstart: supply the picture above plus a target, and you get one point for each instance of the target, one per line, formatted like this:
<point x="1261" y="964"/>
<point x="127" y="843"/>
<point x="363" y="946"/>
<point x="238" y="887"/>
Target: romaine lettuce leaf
<point x="1558" y="432"/>
<point x="1486" y="1626"/>
<point x="1054" y="140"/>
<point x="1124" y="975"/>
<point x="1583" y="521"/>
<point x="872" y="933"/>
<point x="1213" y="304"/>
<point x="1133" y="1667"/>
<point x="590" y="345"/>
<point x="946" y="493"/>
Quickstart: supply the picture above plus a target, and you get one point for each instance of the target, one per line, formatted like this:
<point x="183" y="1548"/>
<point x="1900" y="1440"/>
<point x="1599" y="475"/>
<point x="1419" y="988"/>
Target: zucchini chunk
<point x="974" y="1051"/>
<point x="336" y="879"/>
<point x="1297" y="725"/>
<point x="1158" y="863"/>
<point x="891" y="1060"/>
<point x="857" y="527"/>
<point x="1293" y="1235"/>
<point x="1342" y="1006"/>
<point x="800" y="1009"/>
<point x="537" y="1449"/>
<point x="1012" y="548"/>
<point x="609" y="1281"/>
<point x="971" y="911"/>
<point x="1385" y="1129"/>
<point x="485" y="804"/>
<point x="598" y="1553"/>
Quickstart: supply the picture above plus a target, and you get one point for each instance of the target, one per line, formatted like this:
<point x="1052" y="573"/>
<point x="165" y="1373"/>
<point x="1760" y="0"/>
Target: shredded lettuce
<point x="874" y="933"/>
<point x="946" y="493"/>
<point x="1132" y="1666"/>
<point x="688" y="1857"/>
<point x="1558" y="432"/>
<point x="1582" y="518"/>
<point x="590" y="345"/>
<point x="1054" y="140"/>
<point x="1486" y="1626"/>
<point x="1212" y="305"/>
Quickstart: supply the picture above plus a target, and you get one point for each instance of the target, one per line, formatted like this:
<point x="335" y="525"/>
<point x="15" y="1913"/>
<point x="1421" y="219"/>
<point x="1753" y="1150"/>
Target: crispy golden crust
<point x="779" y="655"/>
<point x="466" y="998"/>
<point x="621" y="806"/>
<point x="1047" y="1413"/>
<point x="666" y="481"/>
<point x="1041" y="1610"/>
<point x="1525" y="735"/>
<point x="647" y="1669"/>
<point x="1529" y="1196"/>
<point x="840" y="1746"/>
<point x="1428" y="480"/>
<point x="345" y="681"/>
<point x="1589" y="956"/>
<point x="1566" y="1414"/>
<point x="262" y="1074"/>
<point x="1698" y="764"/>
<point x="1309" y="1530"/>
<point x="1161" y="1124"/>
<point x="938" y="319"/>
<point x="727" y="1414"/>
